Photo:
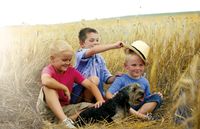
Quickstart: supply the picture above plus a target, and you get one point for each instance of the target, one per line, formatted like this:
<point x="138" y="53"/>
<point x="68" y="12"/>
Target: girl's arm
<point x="95" y="91"/>
<point x="109" y="95"/>
<point x="50" y="82"/>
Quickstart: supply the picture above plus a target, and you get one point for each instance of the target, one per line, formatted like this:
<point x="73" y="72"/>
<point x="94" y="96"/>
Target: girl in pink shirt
<point x="58" y="79"/>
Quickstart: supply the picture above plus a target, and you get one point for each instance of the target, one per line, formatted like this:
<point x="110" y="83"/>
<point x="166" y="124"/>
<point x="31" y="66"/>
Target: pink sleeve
<point x="47" y="70"/>
<point x="79" y="78"/>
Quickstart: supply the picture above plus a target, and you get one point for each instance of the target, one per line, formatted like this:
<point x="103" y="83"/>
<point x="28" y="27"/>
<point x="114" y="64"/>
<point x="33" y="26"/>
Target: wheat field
<point x="174" y="66"/>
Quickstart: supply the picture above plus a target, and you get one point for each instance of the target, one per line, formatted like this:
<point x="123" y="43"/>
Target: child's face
<point x="91" y="40"/>
<point x="62" y="61"/>
<point x="135" y="66"/>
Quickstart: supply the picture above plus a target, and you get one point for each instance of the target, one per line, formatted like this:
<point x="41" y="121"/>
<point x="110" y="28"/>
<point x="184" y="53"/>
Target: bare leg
<point x="52" y="101"/>
<point x="147" y="108"/>
<point x="138" y="114"/>
<point x="87" y="95"/>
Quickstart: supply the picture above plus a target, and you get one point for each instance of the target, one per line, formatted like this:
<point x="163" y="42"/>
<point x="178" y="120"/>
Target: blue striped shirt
<point x="92" y="66"/>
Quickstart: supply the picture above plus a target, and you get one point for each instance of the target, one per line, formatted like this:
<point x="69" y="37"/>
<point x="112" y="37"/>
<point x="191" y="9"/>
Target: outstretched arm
<point x="101" y="48"/>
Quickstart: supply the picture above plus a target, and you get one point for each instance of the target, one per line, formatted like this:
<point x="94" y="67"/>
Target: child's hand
<point x="112" y="78"/>
<point x="119" y="44"/>
<point x="99" y="103"/>
<point x="67" y="93"/>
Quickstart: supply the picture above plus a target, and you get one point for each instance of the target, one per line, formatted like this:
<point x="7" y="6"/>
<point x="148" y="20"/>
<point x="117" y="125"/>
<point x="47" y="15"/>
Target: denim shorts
<point x="76" y="93"/>
<point x="152" y="98"/>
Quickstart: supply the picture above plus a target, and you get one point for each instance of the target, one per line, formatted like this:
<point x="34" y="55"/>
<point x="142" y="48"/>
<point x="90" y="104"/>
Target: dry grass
<point x="175" y="41"/>
<point x="187" y="94"/>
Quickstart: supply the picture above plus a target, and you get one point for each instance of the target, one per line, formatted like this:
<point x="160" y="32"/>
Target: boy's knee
<point x="158" y="99"/>
<point x="46" y="89"/>
<point x="94" y="79"/>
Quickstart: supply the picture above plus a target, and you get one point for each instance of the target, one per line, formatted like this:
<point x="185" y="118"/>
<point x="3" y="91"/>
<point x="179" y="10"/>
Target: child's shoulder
<point x="122" y="77"/>
<point x="71" y="68"/>
<point x="48" y="67"/>
<point x="144" y="79"/>
<point x="82" y="49"/>
<point x="48" y="70"/>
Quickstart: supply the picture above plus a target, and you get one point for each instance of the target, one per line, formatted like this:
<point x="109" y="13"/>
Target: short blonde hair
<point x="59" y="46"/>
<point x="129" y="53"/>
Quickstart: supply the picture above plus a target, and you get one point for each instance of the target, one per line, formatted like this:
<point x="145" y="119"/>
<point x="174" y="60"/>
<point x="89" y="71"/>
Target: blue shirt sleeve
<point x="116" y="85"/>
<point x="80" y="57"/>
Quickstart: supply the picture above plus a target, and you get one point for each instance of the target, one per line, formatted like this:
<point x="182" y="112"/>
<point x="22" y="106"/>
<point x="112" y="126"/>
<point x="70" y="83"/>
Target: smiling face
<point x="61" y="54"/>
<point x="134" y="65"/>
<point x="62" y="61"/>
<point x="91" y="40"/>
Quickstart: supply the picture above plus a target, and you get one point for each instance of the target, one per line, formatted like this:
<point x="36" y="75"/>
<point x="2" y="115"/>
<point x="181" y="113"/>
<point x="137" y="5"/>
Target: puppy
<point x="132" y="93"/>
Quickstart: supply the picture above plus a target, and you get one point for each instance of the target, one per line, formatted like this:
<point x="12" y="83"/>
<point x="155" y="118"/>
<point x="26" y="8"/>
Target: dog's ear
<point x="135" y="86"/>
<point x="128" y="88"/>
<point x="134" y="89"/>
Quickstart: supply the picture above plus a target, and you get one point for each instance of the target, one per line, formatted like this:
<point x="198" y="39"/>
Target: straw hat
<point x="140" y="48"/>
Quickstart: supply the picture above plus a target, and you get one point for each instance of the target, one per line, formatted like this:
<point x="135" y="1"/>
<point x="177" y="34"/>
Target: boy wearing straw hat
<point x="135" y="61"/>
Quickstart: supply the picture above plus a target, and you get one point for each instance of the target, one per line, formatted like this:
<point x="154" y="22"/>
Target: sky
<point x="31" y="12"/>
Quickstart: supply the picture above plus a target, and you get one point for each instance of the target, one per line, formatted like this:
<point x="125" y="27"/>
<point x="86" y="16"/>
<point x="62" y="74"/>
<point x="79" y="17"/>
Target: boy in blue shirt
<point x="91" y="64"/>
<point x="135" y="61"/>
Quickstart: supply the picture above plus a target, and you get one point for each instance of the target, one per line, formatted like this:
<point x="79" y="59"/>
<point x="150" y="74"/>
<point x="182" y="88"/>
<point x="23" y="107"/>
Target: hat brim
<point x="126" y="45"/>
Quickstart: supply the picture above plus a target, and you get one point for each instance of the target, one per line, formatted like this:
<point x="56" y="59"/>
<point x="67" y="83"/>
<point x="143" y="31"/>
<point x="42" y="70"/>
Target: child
<point x="57" y="79"/>
<point x="135" y="61"/>
<point x="91" y="64"/>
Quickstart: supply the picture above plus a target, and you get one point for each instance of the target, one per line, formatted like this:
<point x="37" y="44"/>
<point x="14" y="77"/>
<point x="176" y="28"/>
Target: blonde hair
<point x="129" y="53"/>
<point x="59" y="46"/>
